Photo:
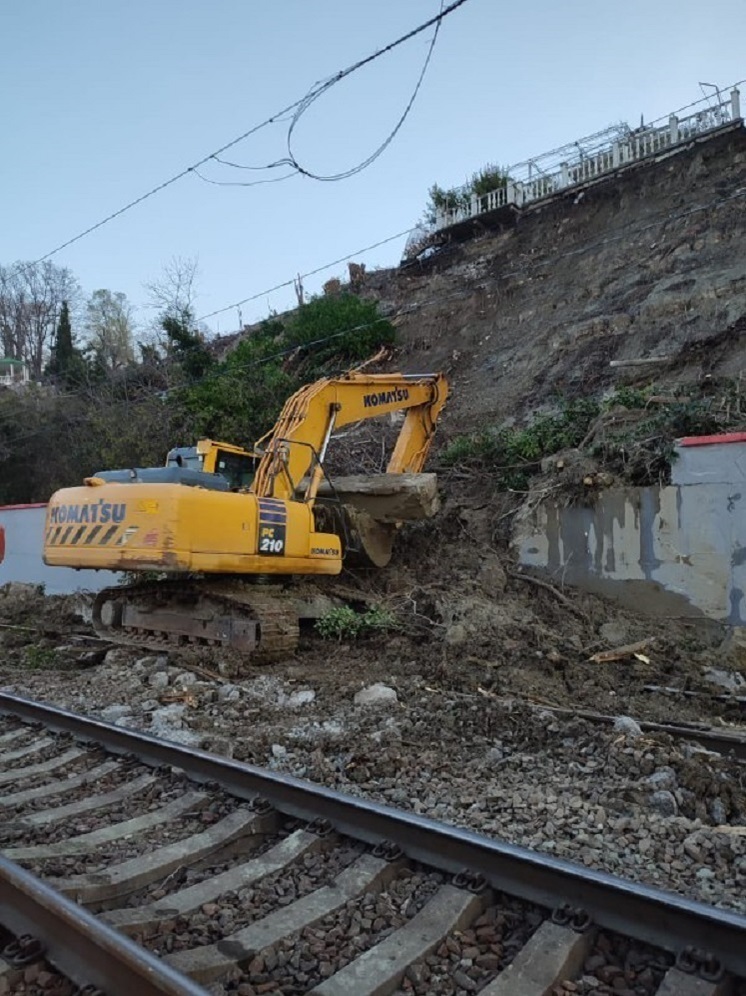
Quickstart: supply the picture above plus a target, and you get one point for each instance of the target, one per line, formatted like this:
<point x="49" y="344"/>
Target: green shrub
<point x="379" y="619"/>
<point x="339" y="330"/>
<point x="344" y="623"/>
<point x="39" y="658"/>
<point x="630" y="397"/>
<point x="514" y="453"/>
<point x="445" y="199"/>
<point x="638" y="448"/>
<point x="341" y="623"/>
<point x="481" y="183"/>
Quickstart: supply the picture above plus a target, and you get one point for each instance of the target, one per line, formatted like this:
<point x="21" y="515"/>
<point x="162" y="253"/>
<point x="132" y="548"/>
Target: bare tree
<point x="298" y="288"/>
<point x="109" y="322"/>
<point x="31" y="296"/>
<point x="174" y="293"/>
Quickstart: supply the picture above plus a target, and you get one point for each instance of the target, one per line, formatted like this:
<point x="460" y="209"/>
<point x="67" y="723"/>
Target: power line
<point x="303" y="276"/>
<point x="318" y="91"/>
<point x="314" y="96"/>
<point x="239" y="183"/>
<point x="277" y="116"/>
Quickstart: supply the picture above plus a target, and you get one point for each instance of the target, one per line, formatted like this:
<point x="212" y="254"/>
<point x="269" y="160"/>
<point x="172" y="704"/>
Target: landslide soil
<point x="466" y="620"/>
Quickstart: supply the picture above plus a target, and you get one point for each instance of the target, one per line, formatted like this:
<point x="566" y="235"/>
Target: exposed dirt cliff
<point x="651" y="263"/>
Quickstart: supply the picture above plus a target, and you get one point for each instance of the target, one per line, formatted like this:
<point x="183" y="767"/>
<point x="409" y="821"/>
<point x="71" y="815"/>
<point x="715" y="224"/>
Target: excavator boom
<point x="296" y="445"/>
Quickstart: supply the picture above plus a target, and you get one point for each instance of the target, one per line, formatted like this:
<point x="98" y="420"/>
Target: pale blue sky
<point x="103" y="99"/>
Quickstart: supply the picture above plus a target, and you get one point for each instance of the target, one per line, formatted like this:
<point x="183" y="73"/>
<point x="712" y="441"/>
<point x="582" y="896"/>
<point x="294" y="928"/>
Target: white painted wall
<point x="672" y="550"/>
<point x="24" y="542"/>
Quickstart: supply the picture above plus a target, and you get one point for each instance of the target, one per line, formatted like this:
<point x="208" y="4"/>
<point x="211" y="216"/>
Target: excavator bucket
<point x="366" y="511"/>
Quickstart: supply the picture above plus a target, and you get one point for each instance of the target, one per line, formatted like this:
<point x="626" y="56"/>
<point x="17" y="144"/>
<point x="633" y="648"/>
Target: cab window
<point x="238" y="470"/>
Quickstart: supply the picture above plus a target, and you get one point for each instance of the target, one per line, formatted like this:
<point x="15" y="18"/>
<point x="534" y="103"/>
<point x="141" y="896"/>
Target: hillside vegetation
<point x="56" y="433"/>
<point x="523" y="318"/>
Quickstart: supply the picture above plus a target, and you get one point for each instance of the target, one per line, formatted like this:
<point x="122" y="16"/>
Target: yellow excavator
<point x="216" y="517"/>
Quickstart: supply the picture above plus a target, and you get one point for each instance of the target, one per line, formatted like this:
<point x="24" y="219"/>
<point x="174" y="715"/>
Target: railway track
<point x="729" y="742"/>
<point x="136" y="866"/>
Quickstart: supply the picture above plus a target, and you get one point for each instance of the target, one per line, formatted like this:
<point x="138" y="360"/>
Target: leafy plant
<point x="341" y="329"/>
<point x="39" y="658"/>
<point x="642" y="453"/>
<point x="514" y="453"/>
<point x="341" y="623"/>
<point x="445" y="199"/>
<point x="629" y="397"/>
<point x="344" y="623"/>
<point x="484" y="181"/>
<point x="379" y="619"/>
<point x="638" y="447"/>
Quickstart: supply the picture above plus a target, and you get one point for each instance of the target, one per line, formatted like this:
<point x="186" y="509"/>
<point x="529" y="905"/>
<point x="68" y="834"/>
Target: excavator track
<point x="260" y="621"/>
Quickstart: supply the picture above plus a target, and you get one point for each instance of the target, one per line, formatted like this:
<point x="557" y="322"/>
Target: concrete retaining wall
<point x="24" y="541"/>
<point x="673" y="550"/>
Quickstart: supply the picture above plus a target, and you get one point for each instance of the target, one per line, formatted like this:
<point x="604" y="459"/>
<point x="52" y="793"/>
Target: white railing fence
<point x="594" y="157"/>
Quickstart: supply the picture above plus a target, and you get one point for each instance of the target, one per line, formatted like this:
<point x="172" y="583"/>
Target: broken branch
<point x="619" y="653"/>
<point x="550" y="587"/>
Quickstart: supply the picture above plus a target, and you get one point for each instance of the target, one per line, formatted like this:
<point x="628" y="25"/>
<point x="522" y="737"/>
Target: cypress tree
<point x="63" y="350"/>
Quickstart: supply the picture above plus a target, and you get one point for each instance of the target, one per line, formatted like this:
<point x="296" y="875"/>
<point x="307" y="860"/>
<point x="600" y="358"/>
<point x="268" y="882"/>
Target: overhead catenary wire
<point x="317" y="91"/>
<point x="304" y="276"/>
<point x="314" y="96"/>
<point x="272" y="119"/>
<point x="244" y="183"/>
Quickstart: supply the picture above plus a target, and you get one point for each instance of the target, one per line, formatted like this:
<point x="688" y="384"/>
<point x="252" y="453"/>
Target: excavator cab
<point x="236" y="465"/>
<point x="232" y="463"/>
<point x="210" y="465"/>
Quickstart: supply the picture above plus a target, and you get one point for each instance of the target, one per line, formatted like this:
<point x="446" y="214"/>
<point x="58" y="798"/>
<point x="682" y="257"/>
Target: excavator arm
<point x="295" y="447"/>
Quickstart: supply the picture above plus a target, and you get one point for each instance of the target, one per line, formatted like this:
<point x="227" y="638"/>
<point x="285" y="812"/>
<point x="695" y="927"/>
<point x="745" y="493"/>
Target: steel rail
<point x="647" y="914"/>
<point x="724" y="742"/>
<point x="87" y="950"/>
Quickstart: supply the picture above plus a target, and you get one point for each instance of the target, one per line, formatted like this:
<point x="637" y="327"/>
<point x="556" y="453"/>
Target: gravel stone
<point x="731" y="681"/>
<point x="169" y="715"/>
<point x="185" y="679"/>
<point x="114" y="712"/>
<point x="628" y="726"/>
<point x="664" y="779"/>
<point x="718" y="811"/>
<point x="377" y="694"/>
<point x="614" y="633"/>
<point x="300" y="698"/>
<point x="663" y="802"/>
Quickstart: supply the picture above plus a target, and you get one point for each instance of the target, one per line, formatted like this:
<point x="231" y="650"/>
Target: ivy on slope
<point x="630" y="434"/>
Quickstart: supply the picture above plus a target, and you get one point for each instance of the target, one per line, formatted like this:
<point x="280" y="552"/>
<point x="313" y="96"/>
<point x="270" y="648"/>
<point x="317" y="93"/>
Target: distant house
<point x="13" y="373"/>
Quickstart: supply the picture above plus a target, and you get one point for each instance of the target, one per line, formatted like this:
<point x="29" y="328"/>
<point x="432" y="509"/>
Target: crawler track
<point x="145" y="867"/>
<point x="170" y="614"/>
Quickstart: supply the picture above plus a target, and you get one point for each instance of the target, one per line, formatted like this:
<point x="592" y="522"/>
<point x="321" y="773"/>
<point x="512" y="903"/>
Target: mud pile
<point x="458" y="612"/>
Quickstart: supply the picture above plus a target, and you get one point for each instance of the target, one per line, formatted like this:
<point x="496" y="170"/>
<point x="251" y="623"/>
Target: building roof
<point x="725" y="437"/>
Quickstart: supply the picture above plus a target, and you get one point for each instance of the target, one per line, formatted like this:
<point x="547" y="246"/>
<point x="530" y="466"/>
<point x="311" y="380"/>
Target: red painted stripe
<point x="15" y="508"/>
<point x="725" y="437"/>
